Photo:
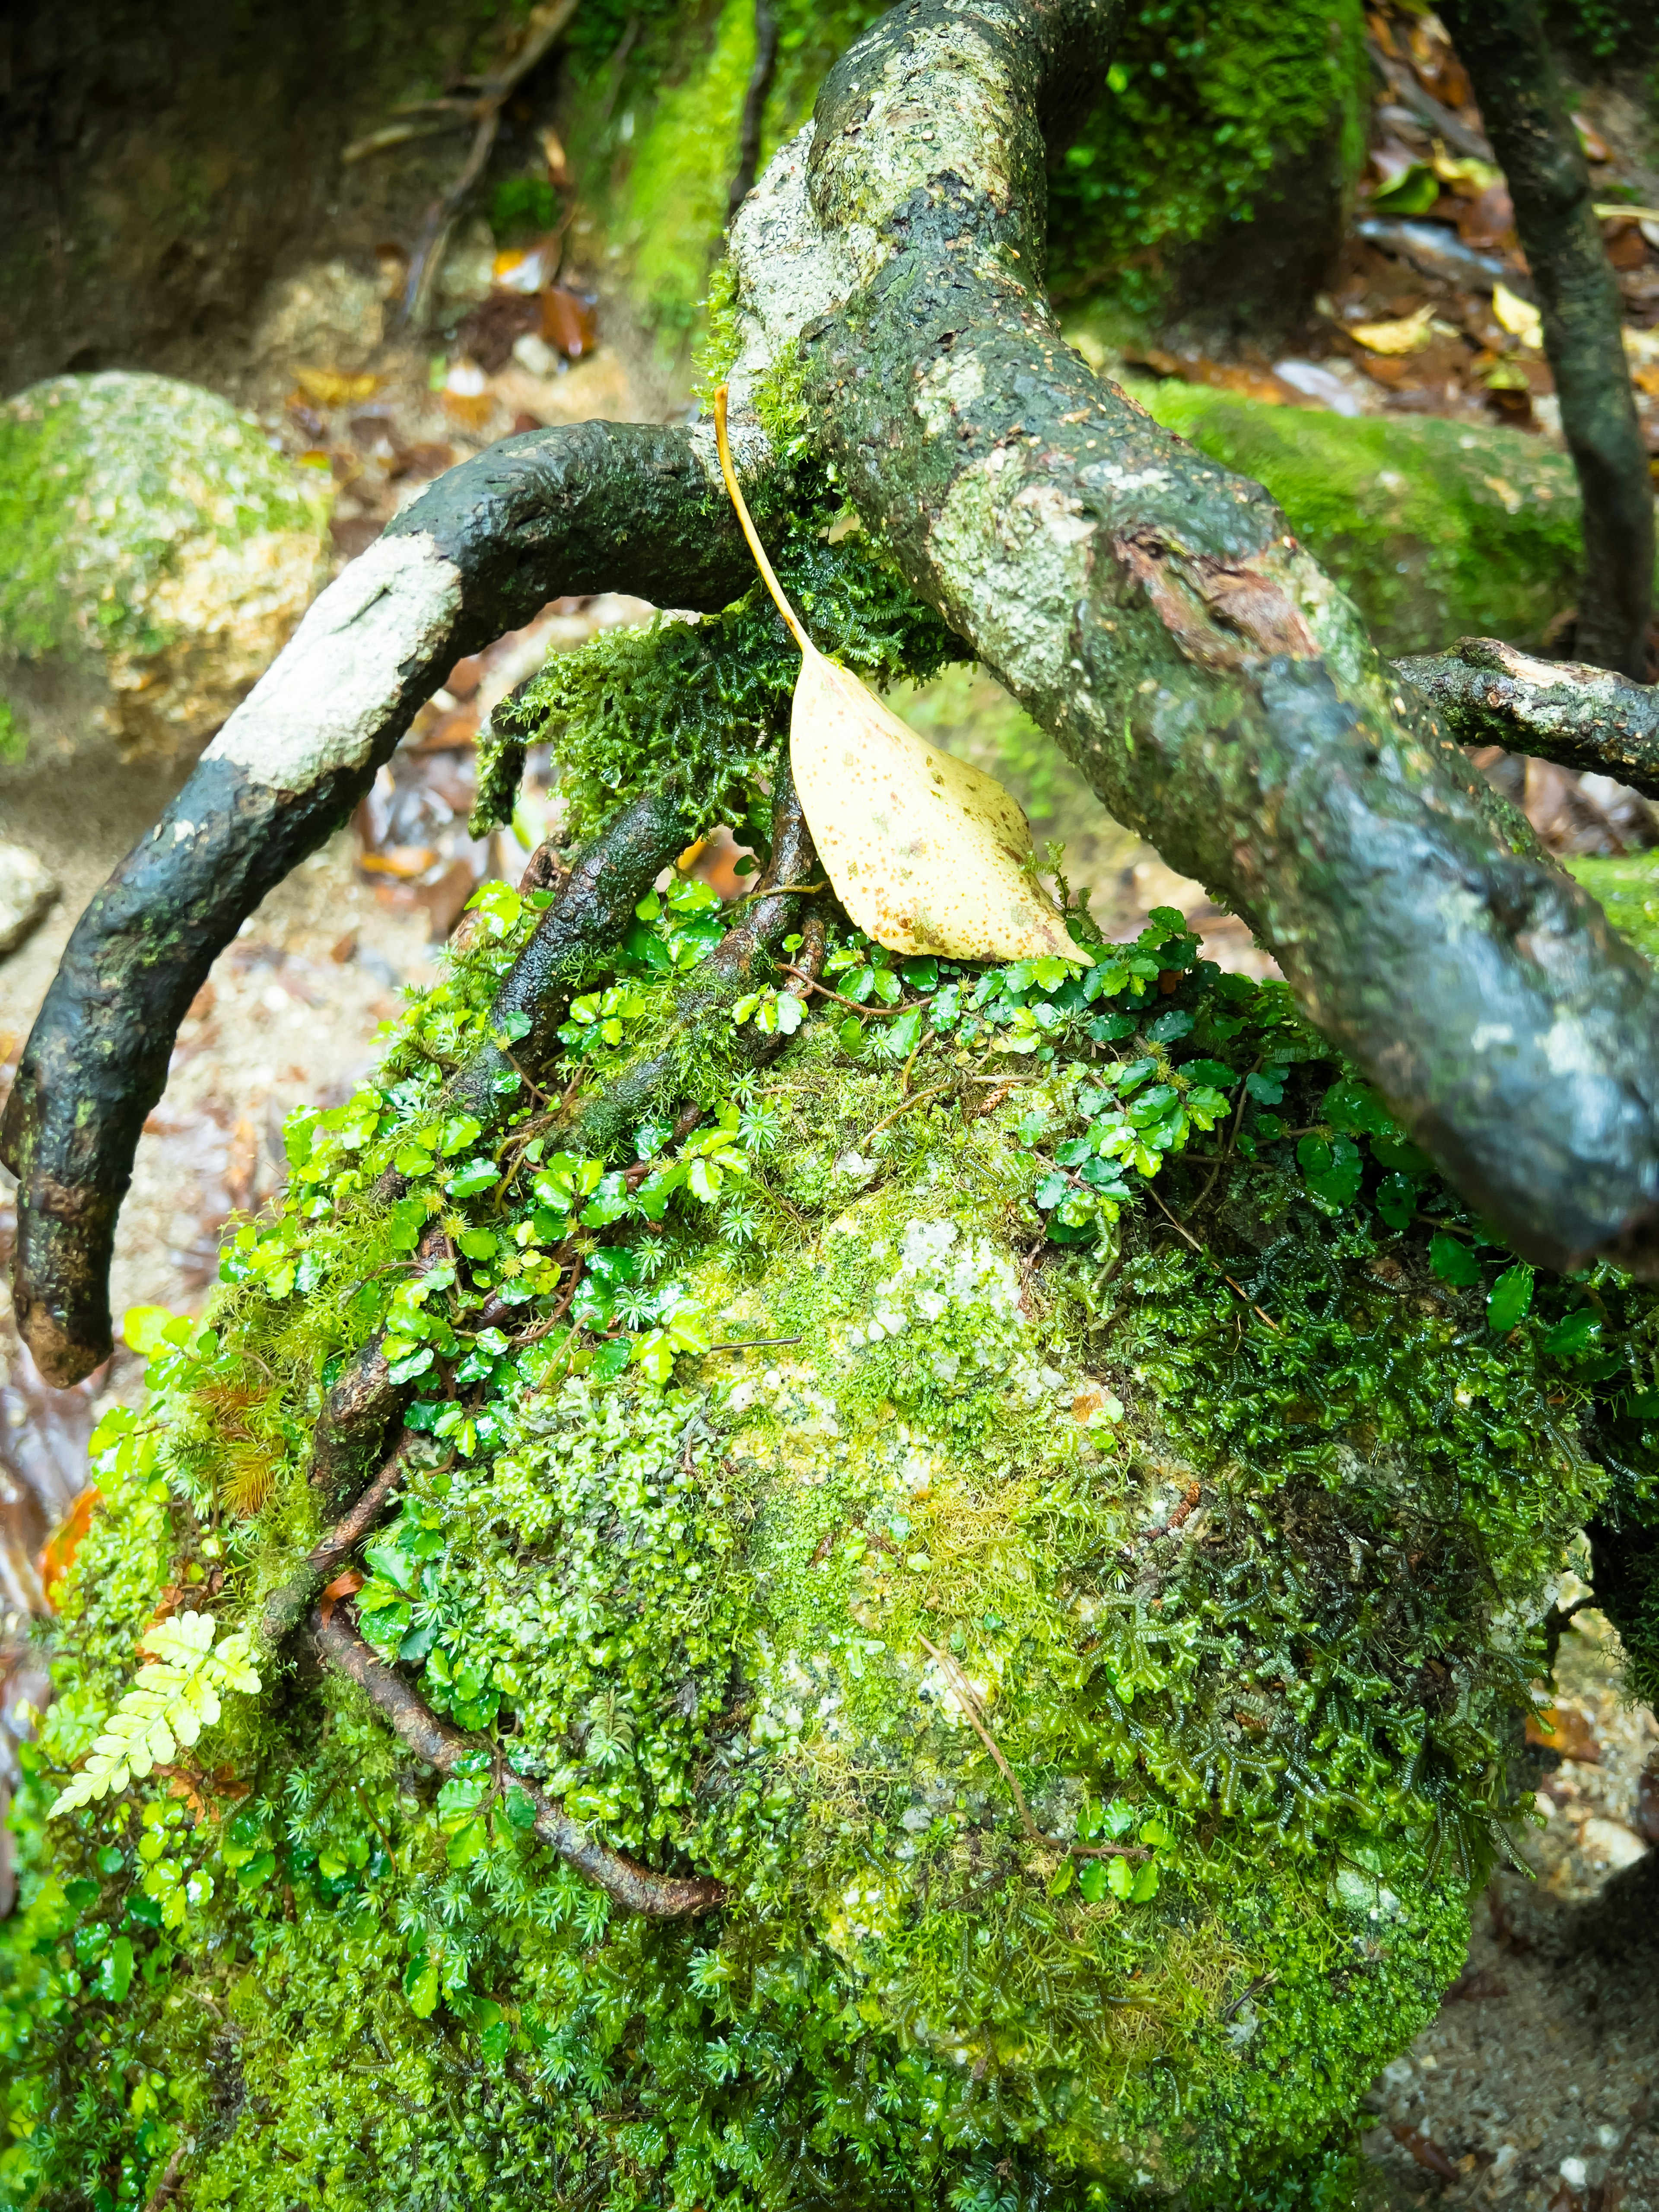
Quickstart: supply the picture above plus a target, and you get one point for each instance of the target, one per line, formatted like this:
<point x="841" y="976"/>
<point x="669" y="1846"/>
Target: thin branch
<point x="823" y="990"/>
<point x="1580" y="717"/>
<point x="286" y="1605"/>
<point x="544" y="25"/>
<point x="1181" y="1229"/>
<point x="637" y="1888"/>
<point x="970" y="1706"/>
<point x="753" y="106"/>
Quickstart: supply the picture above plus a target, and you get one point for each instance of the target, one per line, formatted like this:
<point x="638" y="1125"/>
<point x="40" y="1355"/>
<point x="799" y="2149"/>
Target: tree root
<point x="1579" y="717"/>
<point x="594" y="908"/>
<point x="656" y="1896"/>
<point x="595" y="507"/>
<point x="1501" y="44"/>
<point x="1158" y="618"/>
<point x="730" y="969"/>
<point x="286" y="1606"/>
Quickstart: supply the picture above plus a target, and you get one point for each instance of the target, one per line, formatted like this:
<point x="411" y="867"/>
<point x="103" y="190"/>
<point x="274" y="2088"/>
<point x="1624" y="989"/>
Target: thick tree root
<point x="657" y="1896"/>
<point x="743" y="954"/>
<point x="355" y="1416"/>
<point x="1158" y="618"/>
<point x="1579" y="717"/>
<point x="599" y="507"/>
<point x="592" y="911"/>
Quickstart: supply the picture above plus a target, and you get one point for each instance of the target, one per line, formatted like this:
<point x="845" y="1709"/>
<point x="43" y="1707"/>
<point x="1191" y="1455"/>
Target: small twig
<point x="753" y="106"/>
<point x="970" y="1706"/>
<point x="545" y="26"/>
<point x="285" y="1604"/>
<point x="1181" y="1229"/>
<point x="168" y="2187"/>
<point x="824" y="991"/>
<point x="904" y="1106"/>
<point x="755" y="1343"/>
<point x="1250" y="1990"/>
<point x="657" y="1896"/>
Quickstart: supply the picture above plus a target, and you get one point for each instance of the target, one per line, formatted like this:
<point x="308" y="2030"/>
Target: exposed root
<point x="636" y="1888"/>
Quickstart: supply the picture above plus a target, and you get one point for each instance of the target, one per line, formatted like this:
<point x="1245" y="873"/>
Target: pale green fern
<point x="172" y="1702"/>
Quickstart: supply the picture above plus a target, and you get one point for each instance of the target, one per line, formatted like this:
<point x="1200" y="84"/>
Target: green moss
<point x="1236" y="1555"/>
<point x="112" y="488"/>
<point x="1435" y="530"/>
<point x="1256" y="85"/>
<point x="702" y="706"/>
<point x="1253" y="86"/>
<point x="1628" y="888"/>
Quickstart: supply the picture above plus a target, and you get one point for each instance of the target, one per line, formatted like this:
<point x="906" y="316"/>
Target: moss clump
<point x="1435" y="530"/>
<point x="144" y="524"/>
<point x="1628" y="888"/>
<point x="1088" y="1660"/>
<point x="658" y="93"/>
<point x="1258" y="86"/>
<point x="700" y="705"/>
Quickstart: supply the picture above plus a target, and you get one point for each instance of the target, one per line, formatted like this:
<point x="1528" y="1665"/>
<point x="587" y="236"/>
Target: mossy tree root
<point x="594" y="909"/>
<point x="744" y="955"/>
<point x="598" y="506"/>
<point x="1502" y="44"/>
<point x="636" y="1888"/>
<point x="1489" y="694"/>
<point x="286" y="1606"/>
<point x="1157" y="616"/>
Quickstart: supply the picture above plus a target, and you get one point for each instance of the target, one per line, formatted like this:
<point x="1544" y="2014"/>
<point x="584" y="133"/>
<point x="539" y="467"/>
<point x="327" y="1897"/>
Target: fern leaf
<point x="176" y="1696"/>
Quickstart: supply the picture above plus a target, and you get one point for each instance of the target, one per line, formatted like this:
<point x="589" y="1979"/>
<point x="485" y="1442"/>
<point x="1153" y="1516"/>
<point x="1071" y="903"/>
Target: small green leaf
<point x="1092" y="1882"/>
<point x="1573" y="1334"/>
<point x="1119" y="1877"/>
<point x="1452" y="1260"/>
<point x="1511" y="1295"/>
<point x="1396" y="1200"/>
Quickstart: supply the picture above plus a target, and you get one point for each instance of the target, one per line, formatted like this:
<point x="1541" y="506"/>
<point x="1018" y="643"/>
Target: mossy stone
<point x="150" y="530"/>
<point x="1436" y="530"/>
<point x="1091" y="1662"/>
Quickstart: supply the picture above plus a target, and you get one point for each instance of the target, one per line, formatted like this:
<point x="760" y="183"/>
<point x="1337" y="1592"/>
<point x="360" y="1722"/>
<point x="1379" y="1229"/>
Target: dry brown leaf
<point x="926" y="854"/>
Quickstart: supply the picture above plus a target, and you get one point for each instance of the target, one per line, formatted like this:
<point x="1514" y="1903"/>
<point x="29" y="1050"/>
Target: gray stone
<point x="27" y="888"/>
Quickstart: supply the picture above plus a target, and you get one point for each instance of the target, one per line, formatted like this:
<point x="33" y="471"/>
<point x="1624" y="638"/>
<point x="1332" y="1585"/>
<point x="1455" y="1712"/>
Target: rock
<point x="27" y="889"/>
<point x="1436" y="530"/>
<point x="147" y="531"/>
<point x="1610" y="1843"/>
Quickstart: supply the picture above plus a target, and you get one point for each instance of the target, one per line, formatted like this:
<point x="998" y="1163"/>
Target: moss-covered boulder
<point x="150" y="534"/>
<point x="1084" y="1634"/>
<point x="1436" y="529"/>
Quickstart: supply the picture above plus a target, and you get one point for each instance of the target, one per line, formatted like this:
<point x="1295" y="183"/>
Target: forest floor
<point x="1531" y="2087"/>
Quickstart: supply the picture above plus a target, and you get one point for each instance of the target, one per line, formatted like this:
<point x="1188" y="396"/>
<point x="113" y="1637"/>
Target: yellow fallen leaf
<point x="1407" y="334"/>
<point x="1518" y="316"/>
<point x="329" y="387"/>
<point x="926" y="854"/>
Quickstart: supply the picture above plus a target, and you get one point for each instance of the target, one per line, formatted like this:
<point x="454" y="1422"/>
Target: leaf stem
<point x="768" y="576"/>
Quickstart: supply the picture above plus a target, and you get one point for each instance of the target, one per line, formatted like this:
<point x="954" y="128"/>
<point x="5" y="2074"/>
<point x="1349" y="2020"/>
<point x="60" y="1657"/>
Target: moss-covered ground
<point x="1086" y="1633"/>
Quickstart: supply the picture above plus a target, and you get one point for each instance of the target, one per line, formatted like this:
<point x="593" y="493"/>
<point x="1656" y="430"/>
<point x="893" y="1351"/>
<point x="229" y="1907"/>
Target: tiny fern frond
<point x="174" y="1698"/>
